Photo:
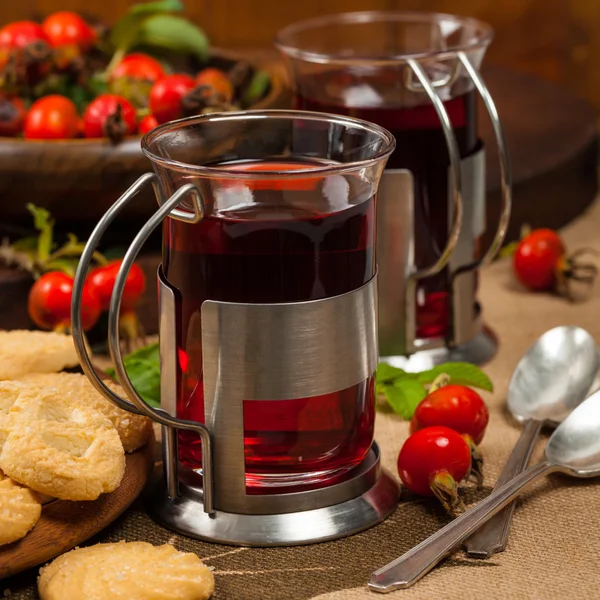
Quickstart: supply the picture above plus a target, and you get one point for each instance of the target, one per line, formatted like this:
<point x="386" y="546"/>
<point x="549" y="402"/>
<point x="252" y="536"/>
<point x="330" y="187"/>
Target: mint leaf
<point x="143" y="368"/>
<point x="173" y="33"/>
<point x="387" y="373"/>
<point x="404" y="396"/>
<point x="150" y="353"/>
<point x="125" y="31"/>
<point x="460" y="373"/>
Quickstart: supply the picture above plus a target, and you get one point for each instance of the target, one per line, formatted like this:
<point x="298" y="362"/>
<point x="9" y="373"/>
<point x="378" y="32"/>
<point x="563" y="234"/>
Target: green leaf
<point x="174" y="33"/>
<point x="404" y="396"/>
<point x="508" y="250"/>
<point x="150" y="353"/>
<point x="257" y="88"/>
<point x="41" y="217"/>
<point x="115" y="252"/>
<point x="97" y="84"/>
<point x="43" y="222"/>
<point x="460" y="373"/>
<point x="125" y="31"/>
<point x="387" y="374"/>
<point x="26" y="244"/>
<point x="143" y="368"/>
<point x="145" y="8"/>
<point x="79" y="95"/>
<point x="65" y="265"/>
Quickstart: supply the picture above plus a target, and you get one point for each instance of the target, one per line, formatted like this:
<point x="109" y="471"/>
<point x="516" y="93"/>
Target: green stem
<point x="440" y="381"/>
<point x="114" y="62"/>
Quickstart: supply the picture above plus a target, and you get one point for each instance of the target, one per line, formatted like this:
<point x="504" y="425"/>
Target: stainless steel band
<point x="264" y="352"/>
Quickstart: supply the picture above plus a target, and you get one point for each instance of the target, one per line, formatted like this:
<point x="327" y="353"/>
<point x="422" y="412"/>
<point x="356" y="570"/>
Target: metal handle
<point x="454" y="155"/>
<point x="505" y="172"/>
<point x="457" y="206"/>
<point x="417" y="562"/>
<point x="493" y="536"/>
<point x="136" y="404"/>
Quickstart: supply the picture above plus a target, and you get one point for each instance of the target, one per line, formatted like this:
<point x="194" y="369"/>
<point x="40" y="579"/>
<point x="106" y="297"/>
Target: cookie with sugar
<point x="59" y="448"/>
<point x="9" y="393"/>
<point x="126" y="570"/>
<point x="20" y="510"/>
<point x="134" y="430"/>
<point x="23" y="352"/>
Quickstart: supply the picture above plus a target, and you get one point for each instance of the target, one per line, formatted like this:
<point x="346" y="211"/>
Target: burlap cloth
<point x="554" y="548"/>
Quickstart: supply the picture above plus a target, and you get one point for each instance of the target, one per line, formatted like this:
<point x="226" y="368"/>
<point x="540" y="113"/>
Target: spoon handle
<point x="493" y="536"/>
<point x="414" y="564"/>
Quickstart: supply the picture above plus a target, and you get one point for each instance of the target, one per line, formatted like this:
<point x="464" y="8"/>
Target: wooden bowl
<point x="78" y="180"/>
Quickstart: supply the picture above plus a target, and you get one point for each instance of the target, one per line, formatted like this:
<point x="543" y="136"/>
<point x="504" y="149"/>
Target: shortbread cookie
<point x="20" y="510"/>
<point x="134" y="430"/>
<point x="23" y="352"/>
<point x="9" y="392"/>
<point x="126" y="571"/>
<point x="58" y="448"/>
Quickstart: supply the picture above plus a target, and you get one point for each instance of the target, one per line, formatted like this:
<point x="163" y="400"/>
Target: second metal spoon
<point x="552" y="378"/>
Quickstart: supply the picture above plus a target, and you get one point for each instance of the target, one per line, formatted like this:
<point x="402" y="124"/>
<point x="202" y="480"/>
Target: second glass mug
<point x="281" y="210"/>
<point x="417" y="75"/>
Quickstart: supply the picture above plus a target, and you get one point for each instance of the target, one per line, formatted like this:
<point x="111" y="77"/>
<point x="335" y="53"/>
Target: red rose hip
<point x="166" y="97"/>
<point x="66" y="28"/>
<point x="455" y="406"/>
<point x="110" y="116"/>
<point x="432" y="462"/>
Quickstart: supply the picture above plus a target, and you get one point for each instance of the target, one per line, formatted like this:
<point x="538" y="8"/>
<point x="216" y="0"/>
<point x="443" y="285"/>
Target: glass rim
<point x="233" y="173"/>
<point x="387" y="16"/>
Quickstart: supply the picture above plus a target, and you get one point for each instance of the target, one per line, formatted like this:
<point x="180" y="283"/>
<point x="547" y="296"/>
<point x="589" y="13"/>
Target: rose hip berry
<point x="19" y="34"/>
<point x="140" y="67"/>
<point x="12" y="116"/>
<point x="541" y="263"/>
<point x="455" y="406"/>
<point x="217" y="81"/>
<point x="432" y="462"/>
<point x="536" y="259"/>
<point x="110" y="116"/>
<point x="148" y="123"/>
<point x="51" y="117"/>
<point x="166" y="96"/>
<point x="66" y="28"/>
<point x="49" y="303"/>
<point x="101" y="281"/>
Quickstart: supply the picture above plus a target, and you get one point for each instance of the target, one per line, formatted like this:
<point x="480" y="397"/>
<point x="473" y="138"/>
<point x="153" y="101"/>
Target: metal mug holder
<point x="466" y="339"/>
<point x="266" y="367"/>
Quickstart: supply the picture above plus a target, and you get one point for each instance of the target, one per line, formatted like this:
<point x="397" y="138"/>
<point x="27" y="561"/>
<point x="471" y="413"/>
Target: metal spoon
<point x="573" y="448"/>
<point x="552" y="378"/>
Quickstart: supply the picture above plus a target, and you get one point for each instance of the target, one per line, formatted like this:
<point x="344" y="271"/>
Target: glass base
<point x="367" y="498"/>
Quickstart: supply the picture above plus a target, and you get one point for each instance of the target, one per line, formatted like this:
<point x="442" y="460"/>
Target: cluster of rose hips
<point x="49" y="302"/>
<point x="446" y="429"/>
<point x="138" y="92"/>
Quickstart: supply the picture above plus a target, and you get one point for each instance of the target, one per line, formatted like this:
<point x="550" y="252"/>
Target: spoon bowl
<point x="575" y="444"/>
<point x="554" y="375"/>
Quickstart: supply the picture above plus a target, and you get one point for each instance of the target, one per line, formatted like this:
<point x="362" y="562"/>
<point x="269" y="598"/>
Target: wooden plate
<point x="64" y="524"/>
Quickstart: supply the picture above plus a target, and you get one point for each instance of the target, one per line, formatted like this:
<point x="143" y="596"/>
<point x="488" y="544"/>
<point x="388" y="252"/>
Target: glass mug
<point x="283" y="211"/>
<point x="416" y="74"/>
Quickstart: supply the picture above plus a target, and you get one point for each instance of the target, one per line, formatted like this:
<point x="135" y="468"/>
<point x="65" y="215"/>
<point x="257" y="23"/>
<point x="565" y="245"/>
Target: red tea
<point x="420" y="148"/>
<point x="270" y="241"/>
